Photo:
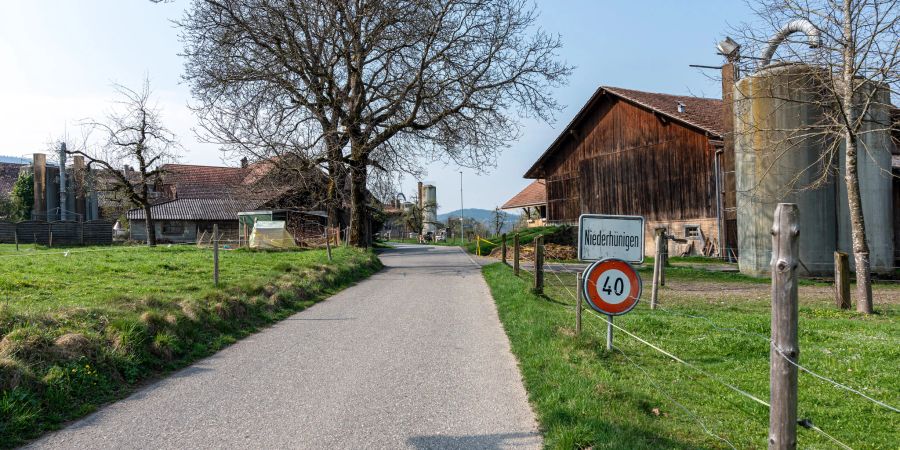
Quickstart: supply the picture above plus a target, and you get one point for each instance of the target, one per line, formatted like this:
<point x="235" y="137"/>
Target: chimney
<point x="39" y="164"/>
<point x="681" y="107"/>
<point x="244" y="162"/>
<point x="421" y="196"/>
<point x="731" y="50"/>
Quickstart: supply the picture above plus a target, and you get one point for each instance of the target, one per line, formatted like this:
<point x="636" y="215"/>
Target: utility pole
<point x="462" y="211"/>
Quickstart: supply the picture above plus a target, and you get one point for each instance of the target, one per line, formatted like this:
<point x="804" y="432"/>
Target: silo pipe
<point x="813" y="36"/>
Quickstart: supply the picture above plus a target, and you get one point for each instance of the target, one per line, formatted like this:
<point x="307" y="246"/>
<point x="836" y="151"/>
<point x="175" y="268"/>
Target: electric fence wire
<point x="671" y="399"/>
<point x="805" y="423"/>
<point x="748" y="419"/>
<point x="780" y="353"/>
<point x="759" y="336"/>
<point x="679" y="360"/>
<point x="811" y="426"/>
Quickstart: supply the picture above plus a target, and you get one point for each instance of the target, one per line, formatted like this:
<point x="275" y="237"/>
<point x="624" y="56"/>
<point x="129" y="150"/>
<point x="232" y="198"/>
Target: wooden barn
<point x="638" y="153"/>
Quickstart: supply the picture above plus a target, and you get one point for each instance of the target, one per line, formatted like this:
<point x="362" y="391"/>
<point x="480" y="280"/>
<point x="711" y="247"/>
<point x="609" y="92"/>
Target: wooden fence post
<point x="579" y="295"/>
<point x="539" y="265"/>
<point x="328" y="243"/>
<point x="215" y="237"/>
<point x="657" y="268"/>
<point x="665" y="257"/>
<point x="785" y="351"/>
<point x="503" y="247"/>
<point x="842" y="280"/>
<point x="516" y="254"/>
<point x="16" y="237"/>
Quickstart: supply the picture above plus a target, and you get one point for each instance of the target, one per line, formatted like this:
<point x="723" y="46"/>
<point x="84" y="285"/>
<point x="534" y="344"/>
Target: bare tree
<point x="499" y="219"/>
<point x="413" y="215"/>
<point x="850" y="50"/>
<point x="131" y="134"/>
<point x="370" y="83"/>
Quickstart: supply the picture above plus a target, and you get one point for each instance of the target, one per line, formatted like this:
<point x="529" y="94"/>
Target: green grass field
<point x="85" y="327"/>
<point x="636" y="398"/>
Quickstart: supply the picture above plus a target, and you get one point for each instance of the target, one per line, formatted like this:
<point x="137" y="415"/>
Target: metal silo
<point x="777" y="159"/>
<point x="781" y="144"/>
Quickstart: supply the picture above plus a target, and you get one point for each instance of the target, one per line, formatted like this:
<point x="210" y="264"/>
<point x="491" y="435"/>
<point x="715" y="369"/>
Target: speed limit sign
<point x="612" y="287"/>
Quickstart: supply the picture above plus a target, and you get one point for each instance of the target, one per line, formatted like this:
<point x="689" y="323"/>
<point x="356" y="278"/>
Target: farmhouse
<point x="191" y="199"/>
<point x="640" y="153"/>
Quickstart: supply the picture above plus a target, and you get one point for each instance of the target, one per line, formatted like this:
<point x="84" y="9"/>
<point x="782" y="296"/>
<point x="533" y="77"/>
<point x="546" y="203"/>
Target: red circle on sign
<point x="619" y="298"/>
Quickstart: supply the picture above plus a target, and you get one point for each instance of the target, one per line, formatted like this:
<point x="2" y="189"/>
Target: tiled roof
<point x="703" y="114"/>
<point x="9" y="173"/>
<point x="533" y="194"/>
<point x="190" y="181"/>
<point x="196" y="209"/>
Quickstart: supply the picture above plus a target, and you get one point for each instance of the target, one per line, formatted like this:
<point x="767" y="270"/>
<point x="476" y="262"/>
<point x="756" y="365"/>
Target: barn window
<point x="692" y="232"/>
<point x="173" y="228"/>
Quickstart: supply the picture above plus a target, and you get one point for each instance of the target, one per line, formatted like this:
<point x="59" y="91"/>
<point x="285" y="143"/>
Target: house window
<point x="692" y="232"/>
<point x="173" y="228"/>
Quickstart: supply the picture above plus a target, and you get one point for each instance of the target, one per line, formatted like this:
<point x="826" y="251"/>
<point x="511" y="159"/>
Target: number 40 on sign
<point x="612" y="287"/>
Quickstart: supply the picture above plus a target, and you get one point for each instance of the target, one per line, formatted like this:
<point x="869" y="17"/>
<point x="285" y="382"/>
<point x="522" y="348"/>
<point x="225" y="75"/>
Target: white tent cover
<point x="271" y="234"/>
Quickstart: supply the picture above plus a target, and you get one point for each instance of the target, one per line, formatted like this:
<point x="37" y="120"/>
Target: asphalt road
<point x="413" y="357"/>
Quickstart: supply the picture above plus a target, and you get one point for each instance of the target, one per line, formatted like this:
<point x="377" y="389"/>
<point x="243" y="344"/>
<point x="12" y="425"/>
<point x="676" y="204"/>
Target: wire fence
<point x="566" y="288"/>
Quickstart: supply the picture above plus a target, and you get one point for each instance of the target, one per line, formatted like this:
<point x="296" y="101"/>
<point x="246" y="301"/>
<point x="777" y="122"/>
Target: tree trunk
<point x="858" y="228"/>
<point x="151" y="230"/>
<point x="358" y="214"/>
<point x="336" y="182"/>
<point x="854" y="199"/>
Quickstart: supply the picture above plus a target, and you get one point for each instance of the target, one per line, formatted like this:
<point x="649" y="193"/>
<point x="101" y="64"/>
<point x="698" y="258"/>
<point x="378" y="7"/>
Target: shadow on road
<point x="480" y="441"/>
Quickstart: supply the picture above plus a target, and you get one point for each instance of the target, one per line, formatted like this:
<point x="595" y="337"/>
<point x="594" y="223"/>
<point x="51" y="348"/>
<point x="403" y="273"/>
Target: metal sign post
<point x="609" y="328"/>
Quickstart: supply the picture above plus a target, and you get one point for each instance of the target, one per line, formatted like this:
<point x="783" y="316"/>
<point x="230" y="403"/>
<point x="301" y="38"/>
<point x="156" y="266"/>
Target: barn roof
<point x="197" y="209"/>
<point x="702" y="114"/>
<point x="534" y="194"/>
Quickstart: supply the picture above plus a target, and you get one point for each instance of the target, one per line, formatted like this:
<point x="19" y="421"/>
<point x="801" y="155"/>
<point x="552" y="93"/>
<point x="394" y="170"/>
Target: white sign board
<point x="602" y="237"/>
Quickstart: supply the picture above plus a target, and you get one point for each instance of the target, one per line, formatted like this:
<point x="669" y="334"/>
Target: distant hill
<point x="485" y="216"/>
<point x="478" y="214"/>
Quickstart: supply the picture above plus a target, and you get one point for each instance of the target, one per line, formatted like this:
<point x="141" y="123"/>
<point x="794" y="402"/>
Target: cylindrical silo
<point x="429" y="213"/>
<point x="778" y="159"/>
<point x="874" y="172"/>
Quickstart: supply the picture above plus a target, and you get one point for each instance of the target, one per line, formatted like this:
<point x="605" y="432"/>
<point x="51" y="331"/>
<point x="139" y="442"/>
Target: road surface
<point x="414" y="357"/>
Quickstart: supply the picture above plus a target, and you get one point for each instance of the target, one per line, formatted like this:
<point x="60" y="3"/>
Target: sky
<point x="59" y="60"/>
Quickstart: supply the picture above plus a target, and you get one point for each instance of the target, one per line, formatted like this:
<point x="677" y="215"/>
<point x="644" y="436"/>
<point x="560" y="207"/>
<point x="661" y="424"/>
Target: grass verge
<point x="636" y="398"/>
<point x="85" y="328"/>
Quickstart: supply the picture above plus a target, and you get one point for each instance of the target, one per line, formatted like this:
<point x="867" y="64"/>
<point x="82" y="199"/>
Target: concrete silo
<point x="782" y="142"/>
<point x="429" y="209"/>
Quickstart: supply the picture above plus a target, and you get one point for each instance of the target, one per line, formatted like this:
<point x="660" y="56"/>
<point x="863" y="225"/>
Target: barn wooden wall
<point x="626" y="160"/>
